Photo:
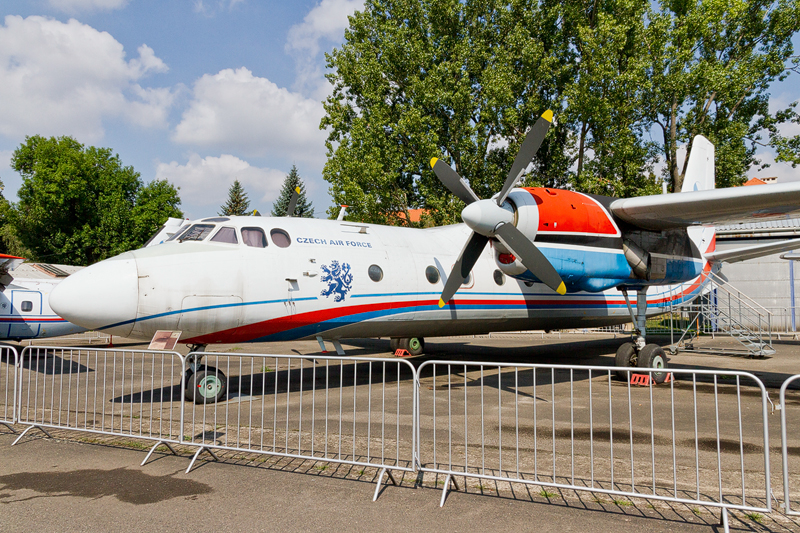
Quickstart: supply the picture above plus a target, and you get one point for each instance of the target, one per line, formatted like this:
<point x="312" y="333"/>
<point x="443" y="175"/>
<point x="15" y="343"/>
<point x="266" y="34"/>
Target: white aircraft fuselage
<point x="312" y="278"/>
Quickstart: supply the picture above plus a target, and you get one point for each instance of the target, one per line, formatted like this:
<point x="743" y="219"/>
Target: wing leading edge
<point x="716" y="206"/>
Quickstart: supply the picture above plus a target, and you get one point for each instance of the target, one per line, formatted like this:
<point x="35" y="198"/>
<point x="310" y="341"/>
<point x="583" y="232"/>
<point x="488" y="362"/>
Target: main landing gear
<point x="638" y="353"/>
<point x="414" y="345"/>
<point x="204" y="384"/>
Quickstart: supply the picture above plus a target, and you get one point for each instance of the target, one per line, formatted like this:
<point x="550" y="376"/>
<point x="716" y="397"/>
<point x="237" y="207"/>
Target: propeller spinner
<point x="488" y="219"/>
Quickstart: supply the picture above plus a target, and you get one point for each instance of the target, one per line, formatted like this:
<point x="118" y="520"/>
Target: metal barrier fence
<point x="701" y="440"/>
<point x="9" y="372"/>
<point x="357" y="411"/>
<point x="129" y="393"/>
<point x="785" y="444"/>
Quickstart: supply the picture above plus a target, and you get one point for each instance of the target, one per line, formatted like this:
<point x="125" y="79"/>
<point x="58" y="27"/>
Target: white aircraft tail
<point x="700" y="177"/>
<point x="700" y="170"/>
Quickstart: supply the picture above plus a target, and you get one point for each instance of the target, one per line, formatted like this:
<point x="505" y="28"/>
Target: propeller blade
<point x="454" y="183"/>
<point x="526" y="152"/>
<point x="466" y="260"/>
<point x="293" y="202"/>
<point x="530" y="256"/>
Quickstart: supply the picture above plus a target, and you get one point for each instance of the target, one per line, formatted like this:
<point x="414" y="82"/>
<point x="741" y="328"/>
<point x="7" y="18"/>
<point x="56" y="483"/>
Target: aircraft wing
<point x="752" y="252"/>
<point x="7" y="263"/>
<point x="715" y="206"/>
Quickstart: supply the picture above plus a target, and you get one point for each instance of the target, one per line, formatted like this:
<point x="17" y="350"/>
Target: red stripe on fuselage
<point x="573" y="212"/>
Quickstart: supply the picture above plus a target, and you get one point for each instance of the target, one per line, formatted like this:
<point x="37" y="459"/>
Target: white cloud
<point x="783" y="171"/>
<point x="211" y="8"/>
<point x="326" y="21"/>
<point x="73" y="6"/>
<point x="65" y="78"/>
<point x="236" y="111"/>
<point x="205" y="181"/>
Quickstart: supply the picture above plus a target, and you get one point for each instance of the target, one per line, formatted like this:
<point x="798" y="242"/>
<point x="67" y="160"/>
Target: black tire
<point x="653" y="356"/>
<point x="394" y="344"/>
<point x="207" y="385"/>
<point x="626" y="356"/>
<point x="416" y="345"/>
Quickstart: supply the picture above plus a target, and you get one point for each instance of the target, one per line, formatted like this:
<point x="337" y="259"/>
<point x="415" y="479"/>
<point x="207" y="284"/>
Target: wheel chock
<point x="643" y="380"/>
<point x="402" y="353"/>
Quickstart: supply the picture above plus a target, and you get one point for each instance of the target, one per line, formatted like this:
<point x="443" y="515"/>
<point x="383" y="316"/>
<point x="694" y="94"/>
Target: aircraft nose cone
<point x="102" y="297"/>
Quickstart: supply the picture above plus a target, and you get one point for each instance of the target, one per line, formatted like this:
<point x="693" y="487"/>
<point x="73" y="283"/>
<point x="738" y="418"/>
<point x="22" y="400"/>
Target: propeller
<point x="293" y="202"/>
<point x="489" y="219"/>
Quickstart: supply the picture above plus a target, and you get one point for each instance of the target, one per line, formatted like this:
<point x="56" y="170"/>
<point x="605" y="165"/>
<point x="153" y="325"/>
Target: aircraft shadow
<point x="53" y="365"/>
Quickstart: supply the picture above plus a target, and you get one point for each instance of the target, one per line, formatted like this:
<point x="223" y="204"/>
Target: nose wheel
<point x="205" y="385"/>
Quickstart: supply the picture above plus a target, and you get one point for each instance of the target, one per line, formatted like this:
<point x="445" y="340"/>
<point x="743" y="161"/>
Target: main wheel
<point x="416" y="345"/>
<point x="626" y="356"/>
<point x="652" y="356"/>
<point x="394" y="344"/>
<point x="206" y="385"/>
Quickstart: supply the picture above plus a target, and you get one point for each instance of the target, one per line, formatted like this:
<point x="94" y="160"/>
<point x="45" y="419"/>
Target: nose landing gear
<point x="638" y="353"/>
<point x="204" y="384"/>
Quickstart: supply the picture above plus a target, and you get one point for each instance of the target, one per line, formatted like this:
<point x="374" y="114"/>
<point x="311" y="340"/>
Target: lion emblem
<point x="339" y="280"/>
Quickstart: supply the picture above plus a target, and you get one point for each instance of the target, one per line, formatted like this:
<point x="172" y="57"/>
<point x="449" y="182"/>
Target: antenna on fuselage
<point x="342" y="212"/>
<point x="293" y="202"/>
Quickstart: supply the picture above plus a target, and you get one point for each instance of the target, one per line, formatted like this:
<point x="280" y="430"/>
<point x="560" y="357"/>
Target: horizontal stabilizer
<point x="752" y="252"/>
<point x="715" y="206"/>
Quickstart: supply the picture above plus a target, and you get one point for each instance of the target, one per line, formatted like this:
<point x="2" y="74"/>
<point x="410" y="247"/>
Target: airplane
<point x="25" y="312"/>
<point x="535" y="258"/>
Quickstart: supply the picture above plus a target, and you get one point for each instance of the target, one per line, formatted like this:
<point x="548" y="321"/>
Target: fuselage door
<point x="26" y="311"/>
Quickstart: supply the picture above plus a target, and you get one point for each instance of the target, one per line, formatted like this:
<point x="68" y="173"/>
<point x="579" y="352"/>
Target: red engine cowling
<point x="554" y="215"/>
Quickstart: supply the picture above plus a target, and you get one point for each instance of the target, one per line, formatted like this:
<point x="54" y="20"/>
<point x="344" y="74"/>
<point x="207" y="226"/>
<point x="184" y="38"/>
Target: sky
<point x="198" y="92"/>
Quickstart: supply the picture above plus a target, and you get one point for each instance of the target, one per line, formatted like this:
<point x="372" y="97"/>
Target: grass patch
<point x="321" y="467"/>
<point x="697" y="511"/>
<point x="544" y="493"/>
<point x="755" y="517"/>
<point x="267" y="369"/>
<point x="622" y="503"/>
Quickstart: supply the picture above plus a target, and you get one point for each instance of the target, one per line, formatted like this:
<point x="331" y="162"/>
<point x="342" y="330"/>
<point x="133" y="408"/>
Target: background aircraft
<point x="25" y="311"/>
<point x="534" y="258"/>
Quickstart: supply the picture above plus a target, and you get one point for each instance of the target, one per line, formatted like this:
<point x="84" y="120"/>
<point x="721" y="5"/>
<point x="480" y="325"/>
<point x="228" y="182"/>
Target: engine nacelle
<point x="574" y="231"/>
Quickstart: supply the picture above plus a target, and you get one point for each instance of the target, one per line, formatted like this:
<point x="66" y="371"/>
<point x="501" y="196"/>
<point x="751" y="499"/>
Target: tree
<point x="463" y="80"/>
<point x="711" y="64"/>
<point x="303" y="207"/>
<point x="79" y="205"/>
<point x="237" y="204"/>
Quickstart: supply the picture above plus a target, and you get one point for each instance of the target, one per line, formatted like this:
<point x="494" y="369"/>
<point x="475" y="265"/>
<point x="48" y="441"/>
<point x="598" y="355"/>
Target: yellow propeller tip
<point x="548" y="115"/>
<point x="562" y="289"/>
<point x="441" y="302"/>
<point x="297" y="190"/>
<point x="433" y="161"/>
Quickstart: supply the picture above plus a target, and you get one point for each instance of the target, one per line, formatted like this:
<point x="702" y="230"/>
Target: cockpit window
<point x="226" y="235"/>
<point x="178" y="233"/>
<point x="198" y="232"/>
<point x="280" y="238"/>
<point x="254" y="237"/>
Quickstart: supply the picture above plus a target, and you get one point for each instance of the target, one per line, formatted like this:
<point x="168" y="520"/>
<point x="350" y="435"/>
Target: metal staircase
<point x="723" y="309"/>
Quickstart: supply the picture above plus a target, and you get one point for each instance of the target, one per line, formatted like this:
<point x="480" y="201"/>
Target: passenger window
<point x="432" y="274"/>
<point x="226" y="235"/>
<point x="254" y="237"/>
<point x="280" y="238"/>
<point x="375" y="273"/>
<point x="27" y="307"/>
<point x="198" y="232"/>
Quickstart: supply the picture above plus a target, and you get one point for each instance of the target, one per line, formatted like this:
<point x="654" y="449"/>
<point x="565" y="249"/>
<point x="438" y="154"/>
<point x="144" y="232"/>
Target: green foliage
<point x="303" y="207"/>
<point x="463" y="80"/>
<point x="237" y="204"/>
<point x="79" y="205"/>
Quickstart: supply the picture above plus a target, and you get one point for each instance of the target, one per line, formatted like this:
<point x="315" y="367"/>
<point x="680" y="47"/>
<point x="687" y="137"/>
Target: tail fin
<point x="700" y="170"/>
<point x="700" y="177"/>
